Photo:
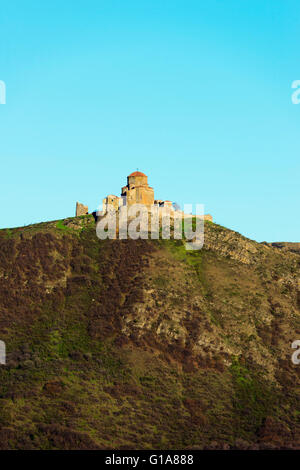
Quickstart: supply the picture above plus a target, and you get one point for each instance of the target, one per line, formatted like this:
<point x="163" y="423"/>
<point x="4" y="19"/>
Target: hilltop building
<point x="137" y="191"/>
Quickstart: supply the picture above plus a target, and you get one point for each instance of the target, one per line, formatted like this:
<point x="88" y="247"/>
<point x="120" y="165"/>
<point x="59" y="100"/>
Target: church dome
<point x="137" y="173"/>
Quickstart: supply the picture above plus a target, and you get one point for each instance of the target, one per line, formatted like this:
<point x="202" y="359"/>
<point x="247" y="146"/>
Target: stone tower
<point x="137" y="190"/>
<point x="81" y="209"/>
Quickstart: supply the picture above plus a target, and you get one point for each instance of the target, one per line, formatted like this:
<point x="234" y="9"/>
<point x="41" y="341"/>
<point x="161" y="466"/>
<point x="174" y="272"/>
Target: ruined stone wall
<point x="81" y="209"/>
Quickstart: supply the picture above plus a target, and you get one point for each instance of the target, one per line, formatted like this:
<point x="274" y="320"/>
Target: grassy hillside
<point x="142" y="344"/>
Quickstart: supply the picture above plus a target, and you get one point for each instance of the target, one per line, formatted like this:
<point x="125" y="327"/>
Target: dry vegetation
<point x="141" y="344"/>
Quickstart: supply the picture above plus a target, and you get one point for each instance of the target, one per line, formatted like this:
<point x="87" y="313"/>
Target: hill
<point x="144" y="345"/>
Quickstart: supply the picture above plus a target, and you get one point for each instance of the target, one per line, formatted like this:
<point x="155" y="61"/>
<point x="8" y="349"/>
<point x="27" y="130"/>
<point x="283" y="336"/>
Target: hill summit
<point x="140" y="344"/>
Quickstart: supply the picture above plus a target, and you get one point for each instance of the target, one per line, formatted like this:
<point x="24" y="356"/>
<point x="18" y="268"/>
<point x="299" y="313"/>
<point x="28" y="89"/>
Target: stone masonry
<point x="81" y="209"/>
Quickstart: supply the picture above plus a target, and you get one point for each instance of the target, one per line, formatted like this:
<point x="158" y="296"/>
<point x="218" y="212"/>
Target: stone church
<point x="137" y="191"/>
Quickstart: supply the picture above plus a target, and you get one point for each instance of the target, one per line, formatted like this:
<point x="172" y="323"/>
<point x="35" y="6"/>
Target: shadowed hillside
<point x="144" y="345"/>
<point x="286" y="246"/>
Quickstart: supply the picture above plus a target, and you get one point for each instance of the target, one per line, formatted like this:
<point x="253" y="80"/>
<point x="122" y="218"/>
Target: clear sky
<point x="196" y="94"/>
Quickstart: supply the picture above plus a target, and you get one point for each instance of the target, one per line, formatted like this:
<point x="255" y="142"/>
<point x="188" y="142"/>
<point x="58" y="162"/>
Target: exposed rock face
<point x="142" y="344"/>
<point x="81" y="209"/>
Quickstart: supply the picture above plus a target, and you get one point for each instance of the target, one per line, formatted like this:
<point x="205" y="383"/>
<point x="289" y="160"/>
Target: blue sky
<point x="196" y="94"/>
